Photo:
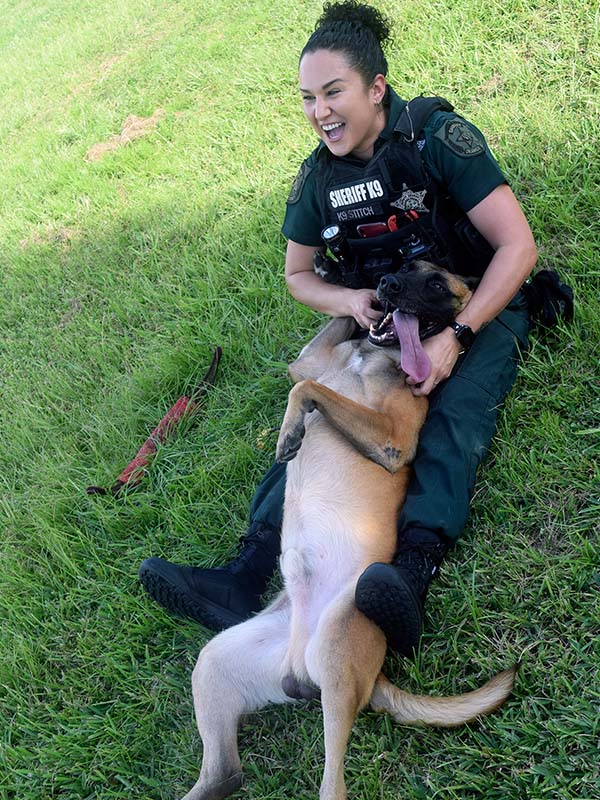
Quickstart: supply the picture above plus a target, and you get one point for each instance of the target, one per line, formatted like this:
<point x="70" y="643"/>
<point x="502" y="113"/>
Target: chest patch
<point x="462" y="140"/>
<point x="355" y="362"/>
<point x="355" y="194"/>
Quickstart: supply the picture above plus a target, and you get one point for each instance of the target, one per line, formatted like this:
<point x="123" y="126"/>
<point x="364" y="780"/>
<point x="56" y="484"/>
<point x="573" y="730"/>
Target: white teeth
<point x="332" y="126"/>
<point x="387" y="333"/>
<point x="384" y="321"/>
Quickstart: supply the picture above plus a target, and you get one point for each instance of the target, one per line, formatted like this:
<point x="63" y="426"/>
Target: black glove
<point x="548" y="298"/>
<point x="326" y="268"/>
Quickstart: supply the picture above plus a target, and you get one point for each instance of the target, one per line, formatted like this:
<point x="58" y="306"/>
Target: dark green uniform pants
<point x="454" y="439"/>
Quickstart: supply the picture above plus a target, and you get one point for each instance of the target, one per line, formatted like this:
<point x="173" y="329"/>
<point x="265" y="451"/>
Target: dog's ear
<point x="472" y="282"/>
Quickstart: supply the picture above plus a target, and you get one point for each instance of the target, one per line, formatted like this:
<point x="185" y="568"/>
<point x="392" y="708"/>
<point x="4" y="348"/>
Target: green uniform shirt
<point x="453" y="150"/>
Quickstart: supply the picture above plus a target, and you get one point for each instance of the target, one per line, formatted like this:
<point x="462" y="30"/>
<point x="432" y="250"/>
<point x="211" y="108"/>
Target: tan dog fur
<point x="349" y="432"/>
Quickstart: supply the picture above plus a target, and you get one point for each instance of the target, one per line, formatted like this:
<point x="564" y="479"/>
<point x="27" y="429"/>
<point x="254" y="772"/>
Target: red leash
<point x="184" y="407"/>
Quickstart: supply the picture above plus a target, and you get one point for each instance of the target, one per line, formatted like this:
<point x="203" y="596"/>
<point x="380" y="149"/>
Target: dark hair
<point x="358" y="31"/>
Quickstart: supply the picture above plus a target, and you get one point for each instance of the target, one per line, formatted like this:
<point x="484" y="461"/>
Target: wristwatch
<point x="464" y="334"/>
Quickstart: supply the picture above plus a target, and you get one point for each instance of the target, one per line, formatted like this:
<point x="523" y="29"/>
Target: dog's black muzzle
<point x="424" y="295"/>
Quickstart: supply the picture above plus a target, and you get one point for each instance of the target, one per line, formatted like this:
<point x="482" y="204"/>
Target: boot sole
<point x="393" y="605"/>
<point x="212" y="616"/>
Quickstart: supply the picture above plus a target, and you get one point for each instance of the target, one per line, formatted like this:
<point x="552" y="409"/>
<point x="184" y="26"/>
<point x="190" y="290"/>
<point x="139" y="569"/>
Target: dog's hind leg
<point x="344" y="658"/>
<point x="239" y="671"/>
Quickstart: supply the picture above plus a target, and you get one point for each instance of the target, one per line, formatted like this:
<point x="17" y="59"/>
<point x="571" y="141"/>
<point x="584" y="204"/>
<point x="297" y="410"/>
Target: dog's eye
<point x="437" y="286"/>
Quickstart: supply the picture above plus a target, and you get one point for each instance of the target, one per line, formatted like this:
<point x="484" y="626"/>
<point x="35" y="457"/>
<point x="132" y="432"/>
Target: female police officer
<point x="392" y="180"/>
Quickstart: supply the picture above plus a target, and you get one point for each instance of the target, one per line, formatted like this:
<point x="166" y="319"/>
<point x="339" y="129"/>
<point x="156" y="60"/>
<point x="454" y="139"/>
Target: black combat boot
<point x="221" y="597"/>
<point x="393" y="595"/>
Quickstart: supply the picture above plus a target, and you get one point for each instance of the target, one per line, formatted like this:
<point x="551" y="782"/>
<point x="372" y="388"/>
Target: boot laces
<point x="254" y="554"/>
<point x="421" y="561"/>
<point x="416" y="560"/>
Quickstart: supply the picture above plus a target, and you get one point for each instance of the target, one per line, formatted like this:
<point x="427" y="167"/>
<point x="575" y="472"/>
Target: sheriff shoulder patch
<point x="460" y="138"/>
<point x="298" y="184"/>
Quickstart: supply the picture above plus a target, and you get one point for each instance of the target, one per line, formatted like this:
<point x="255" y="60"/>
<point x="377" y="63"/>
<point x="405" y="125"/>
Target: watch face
<point x="464" y="334"/>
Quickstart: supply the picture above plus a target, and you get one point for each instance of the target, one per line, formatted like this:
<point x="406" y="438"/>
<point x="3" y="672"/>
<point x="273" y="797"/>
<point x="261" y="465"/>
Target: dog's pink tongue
<point x="413" y="359"/>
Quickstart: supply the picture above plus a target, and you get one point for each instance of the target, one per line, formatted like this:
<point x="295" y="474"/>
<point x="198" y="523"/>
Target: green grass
<point x="117" y="279"/>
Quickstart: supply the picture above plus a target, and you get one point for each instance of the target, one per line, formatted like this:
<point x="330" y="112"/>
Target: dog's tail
<point x="444" y="712"/>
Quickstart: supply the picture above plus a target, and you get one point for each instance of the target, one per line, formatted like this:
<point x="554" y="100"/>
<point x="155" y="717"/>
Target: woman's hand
<point x="361" y="305"/>
<point x="443" y="350"/>
<point x="314" y="292"/>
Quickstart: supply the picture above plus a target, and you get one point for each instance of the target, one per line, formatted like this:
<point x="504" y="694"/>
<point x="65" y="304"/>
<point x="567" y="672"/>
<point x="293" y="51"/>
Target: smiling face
<point x="344" y="112"/>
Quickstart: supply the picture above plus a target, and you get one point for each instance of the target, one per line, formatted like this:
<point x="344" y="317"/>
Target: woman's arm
<point x="499" y="218"/>
<point x="311" y="290"/>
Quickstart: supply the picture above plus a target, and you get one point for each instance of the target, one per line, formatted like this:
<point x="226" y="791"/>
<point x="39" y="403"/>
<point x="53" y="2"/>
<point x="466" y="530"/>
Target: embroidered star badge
<point x="411" y="201"/>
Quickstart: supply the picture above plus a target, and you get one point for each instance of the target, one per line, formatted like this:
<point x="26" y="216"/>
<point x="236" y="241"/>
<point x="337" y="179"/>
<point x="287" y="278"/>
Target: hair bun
<point x="359" y="14"/>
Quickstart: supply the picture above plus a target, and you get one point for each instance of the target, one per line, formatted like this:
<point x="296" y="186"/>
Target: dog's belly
<point x="338" y="519"/>
<point x="334" y="492"/>
<point x="312" y="581"/>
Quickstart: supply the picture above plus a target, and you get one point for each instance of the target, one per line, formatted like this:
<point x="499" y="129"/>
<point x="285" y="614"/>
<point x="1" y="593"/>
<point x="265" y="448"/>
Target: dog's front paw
<point x="289" y="443"/>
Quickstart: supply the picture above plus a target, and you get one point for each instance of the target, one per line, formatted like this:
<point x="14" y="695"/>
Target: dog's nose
<point x="389" y="283"/>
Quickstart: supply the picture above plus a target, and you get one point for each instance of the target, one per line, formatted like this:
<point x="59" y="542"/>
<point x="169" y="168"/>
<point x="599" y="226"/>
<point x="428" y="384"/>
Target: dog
<point x="349" y="434"/>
